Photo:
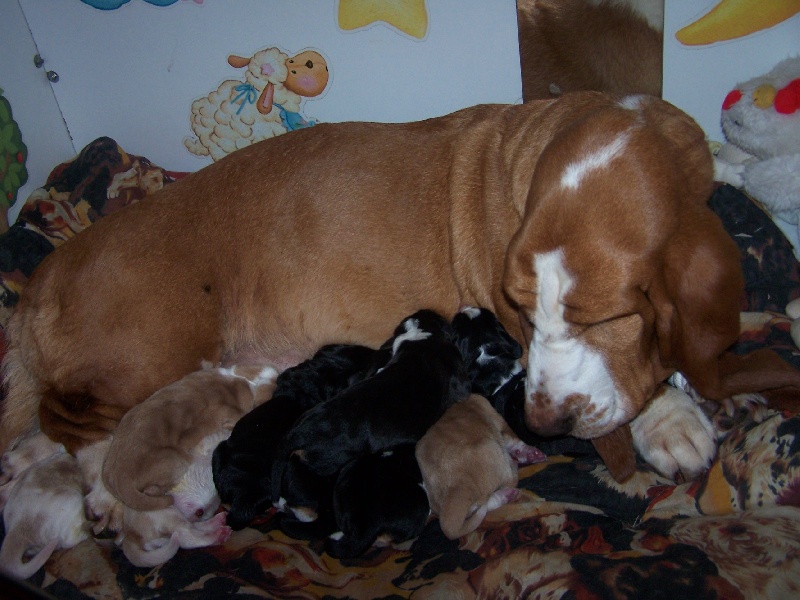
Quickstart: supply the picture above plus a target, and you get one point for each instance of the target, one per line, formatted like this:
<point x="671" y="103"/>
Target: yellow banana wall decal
<point x="732" y="19"/>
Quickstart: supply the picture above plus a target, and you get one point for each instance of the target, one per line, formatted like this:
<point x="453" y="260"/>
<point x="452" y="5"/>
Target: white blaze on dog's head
<point x="593" y="161"/>
<point x="569" y="387"/>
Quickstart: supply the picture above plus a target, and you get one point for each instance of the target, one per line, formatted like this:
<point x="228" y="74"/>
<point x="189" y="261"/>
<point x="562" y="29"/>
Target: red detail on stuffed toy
<point x="732" y="98"/>
<point x="787" y="100"/>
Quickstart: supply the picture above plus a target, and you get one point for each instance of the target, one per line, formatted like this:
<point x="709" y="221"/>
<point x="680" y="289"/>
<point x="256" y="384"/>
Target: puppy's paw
<point x="501" y="497"/>
<point x="103" y="510"/>
<point x="525" y="454"/>
<point x="674" y="435"/>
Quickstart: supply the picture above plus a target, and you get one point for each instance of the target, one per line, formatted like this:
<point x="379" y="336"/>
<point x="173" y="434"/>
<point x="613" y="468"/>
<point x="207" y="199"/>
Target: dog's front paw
<point x="674" y="435"/>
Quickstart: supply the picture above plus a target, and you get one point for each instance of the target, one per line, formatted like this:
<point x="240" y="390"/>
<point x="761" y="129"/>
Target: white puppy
<point x="151" y="538"/>
<point x="44" y="512"/>
<point x="22" y="454"/>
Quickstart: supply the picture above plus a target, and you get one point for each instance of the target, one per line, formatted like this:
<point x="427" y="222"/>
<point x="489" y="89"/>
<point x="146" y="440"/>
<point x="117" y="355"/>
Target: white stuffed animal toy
<point x="761" y="122"/>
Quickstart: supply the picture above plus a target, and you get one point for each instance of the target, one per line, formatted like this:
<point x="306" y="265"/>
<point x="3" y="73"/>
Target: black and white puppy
<point x="492" y="356"/>
<point x="378" y="499"/>
<point x="242" y="464"/>
<point x="424" y="376"/>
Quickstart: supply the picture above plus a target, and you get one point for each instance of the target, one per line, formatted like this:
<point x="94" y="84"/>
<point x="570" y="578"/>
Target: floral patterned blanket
<point x="573" y="533"/>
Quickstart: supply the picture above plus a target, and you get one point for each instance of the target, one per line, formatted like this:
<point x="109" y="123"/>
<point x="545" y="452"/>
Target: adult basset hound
<point x="581" y="222"/>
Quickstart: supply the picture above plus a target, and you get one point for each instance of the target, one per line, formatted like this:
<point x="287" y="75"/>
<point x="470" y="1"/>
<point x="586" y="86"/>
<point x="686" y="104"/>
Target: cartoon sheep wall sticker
<point x="266" y="104"/>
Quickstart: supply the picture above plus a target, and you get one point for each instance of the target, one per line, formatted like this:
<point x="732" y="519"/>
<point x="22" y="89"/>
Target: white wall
<point x="33" y="104"/>
<point x="697" y="78"/>
<point x="133" y="72"/>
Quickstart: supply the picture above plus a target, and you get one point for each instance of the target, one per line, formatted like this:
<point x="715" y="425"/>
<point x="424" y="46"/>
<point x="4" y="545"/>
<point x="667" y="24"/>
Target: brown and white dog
<point x="581" y="222"/>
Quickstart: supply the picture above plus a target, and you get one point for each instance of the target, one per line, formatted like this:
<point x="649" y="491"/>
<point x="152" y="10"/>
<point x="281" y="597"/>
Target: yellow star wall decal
<point x="408" y="16"/>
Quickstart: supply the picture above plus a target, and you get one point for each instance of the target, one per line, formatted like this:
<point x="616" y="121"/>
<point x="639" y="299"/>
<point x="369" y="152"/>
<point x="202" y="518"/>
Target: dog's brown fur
<point x="336" y="232"/>
<point x="152" y="446"/>
<point x="572" y="45"/>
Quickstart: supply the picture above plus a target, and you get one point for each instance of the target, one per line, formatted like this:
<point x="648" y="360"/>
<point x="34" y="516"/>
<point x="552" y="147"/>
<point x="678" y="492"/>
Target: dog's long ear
<point x="697" y="300"/>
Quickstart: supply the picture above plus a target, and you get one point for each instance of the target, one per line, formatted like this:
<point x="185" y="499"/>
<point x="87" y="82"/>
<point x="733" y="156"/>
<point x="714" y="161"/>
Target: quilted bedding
<point x="573" y="533"/>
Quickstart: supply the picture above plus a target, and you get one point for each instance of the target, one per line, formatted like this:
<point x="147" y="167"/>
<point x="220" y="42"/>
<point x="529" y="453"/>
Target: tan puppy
<point x="585" y="215"/>
<point x="469" y="462"/>
<point x="158" y="441"/>
<point x="44" y="512"/>
<point x="101" y="507"/>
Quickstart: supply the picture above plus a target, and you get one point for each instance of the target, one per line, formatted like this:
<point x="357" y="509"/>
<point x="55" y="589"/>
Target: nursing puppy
<point x="378" y="500"/>
<point x="44" y="512"/>
<point x="242" y="464"/>
<point x="585" y="215"/>
<point x="491" y="354"/>
<point x="150" y="538"/>
<point x="424" y="376"/>
<point x="152" y="448"/>
<point x="23" y="454"/>
<point x="469" y="462"/>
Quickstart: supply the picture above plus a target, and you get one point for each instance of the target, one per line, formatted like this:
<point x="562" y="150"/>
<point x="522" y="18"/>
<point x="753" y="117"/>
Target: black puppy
<point x="397" y="405"/>
<point x="378" y="499"/>
<point x="242" y="464"/>
<point x="491" y="354"/>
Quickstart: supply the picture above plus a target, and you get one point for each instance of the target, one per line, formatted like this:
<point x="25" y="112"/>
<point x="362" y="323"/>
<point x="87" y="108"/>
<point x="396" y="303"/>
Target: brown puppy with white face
<point x="336" y="232"/>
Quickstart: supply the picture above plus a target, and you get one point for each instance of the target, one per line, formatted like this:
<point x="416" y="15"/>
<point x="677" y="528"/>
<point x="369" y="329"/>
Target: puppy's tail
<point x="22" y="392"/>
<point x="460" y="515"/>
<point x="139" y="557"/>
<point x="15" y="545"/>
